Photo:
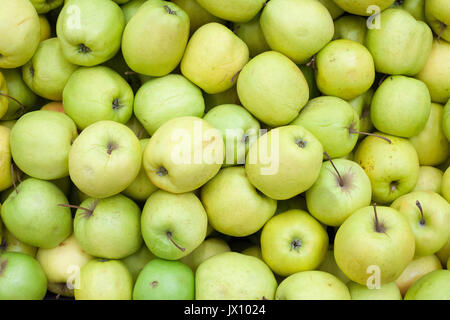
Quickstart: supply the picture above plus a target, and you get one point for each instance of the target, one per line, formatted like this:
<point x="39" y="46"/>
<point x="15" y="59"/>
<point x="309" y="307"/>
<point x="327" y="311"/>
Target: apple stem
<point x="422" y="219"/>
<point x="442" y="29"/>
<point x="89" y="211"/>
<point x="129" y="73"/>
<point x="15" y="100"/>
<point x="378" y="227"/>
<point x="312" y="63"/>
<point x="341" y="181"/>
<point x="169" y="235"/>
<point x="353" y="131"/>
<point x="235" y="75"/>
<point x="170" y="11"/>
<point x="13" y="178"/>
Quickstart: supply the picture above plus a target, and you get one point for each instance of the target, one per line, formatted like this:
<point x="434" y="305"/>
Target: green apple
<point x="392" y="167"/>
<point x="362" y="105"/>
<point x="105" y="159"/>
<point x="252" y="35"/>
<point x="87" y="38"/>
<point x="102" y="279"/>
<point x="183" y="154"/>
<point x="437" y="14"/>
<point x="342" y="188"/>
<point x="21" y="277"/>
<point x="20" y="27"/>
<point x="312" y="285"/>
<point x="362" y="7"/>
<point x="401" y="45"/>
<point x="374" y="243"/>
<point x="415" y="7"/>
<point x="333" y="8"/>
<point x="33" y="215"/>
<point x="9" y="243"/>
<point x="40" y="144"/>
<point x="254" y="251"/>
<point x="432" y="286"/>
<point x="207" y="249"/>
<point x="165" y="98"/>
<point x="48" y="71"/>
<point x="45" y="28"/>
<point x="95" y="94"/>
<point x="5" y="158"/>
<point x="165" y="28"/>
<point x="329" y="265"/>
<point x="164" y="280"/>
<point x="429" y="217"/>
<point x="446" y="120"/>
<point x="293" y="241"/>
<point x="431" y="144"/>
<point x="445" y="186"/>
<point x="284" y="162"/>
<point x="297" y="28"/>
<point x="333" y="122"/>
<point x="350" y="27"/>
<point x="108" y="228"/>
<point x="399" y="98"/>
<point x="436" y="72"/>
<point x="137" y="128"/>
<point x="229" y="96"/>
<point x="233" y="204"/>
<point x="416" y="269"/>
<point x="130" y="8"/>
<point x="17" y="88"/>
<point x="239" y="130"/>
<point x="309" y="74"/>
<point x="387" y="291"/>
<point x="233" y="10"/>
<point x="137" y="261"/>
<point x="198" y="16"/>
<point x="234" y="276"/>
<point x="173" y="225"/>
<point x="430" y="179"/>
<point x="297" y="202"/>
<point x="214" y="56"/>
<point x="272" y="88"/>
<point x="44" y="6"/>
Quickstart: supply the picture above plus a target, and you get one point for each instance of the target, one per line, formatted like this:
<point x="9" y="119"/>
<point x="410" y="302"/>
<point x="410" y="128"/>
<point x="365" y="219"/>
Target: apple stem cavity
<point x="379" y="227"/>
<point x="341" y="181"/>
<point x="352" y="130"/>
<point x="170" y="11"/>
<point x="422" y="219"/>
<point x="116" y="104"/>
<point x="169" y="235"/>
<point x="15" y="100"/>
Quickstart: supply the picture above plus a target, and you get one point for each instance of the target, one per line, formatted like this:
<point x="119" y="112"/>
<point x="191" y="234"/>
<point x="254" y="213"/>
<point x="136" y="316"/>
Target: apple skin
<point x="130" y="8"/>
<point x="229" y="96"/>
<point x="137" y="261"/>
<point x="45" y="28"/>
<point x="164" y="280"/>
<point x="272" y="88"/>
<point x="214" y="55"/>
<point x="9" y="243"/>
<point x="345" y="69"/>
<point x="20" y="21"/>
<point x="446" y="120"/>
<point x="251" y="33"/>
<point x="105" y="159"/>
<point x="341" y="201"/>
<point x="137" y="128"/>
<point x="181" y="215"/>
<point x="312" y="285"/>
<point x="112" y="230"/>
<point x="445" y="186"/>
<point x="362" y="104"/>
<point x="431" y="144"/>
<point x="430" y="179"/>
<point x="293" y="241"/>
<point x="102" y="279"/>
<point x="444" y="253"/>
<point x="388" y="291"/>
<point x="309" y="74"/>
<point x="329" y="265"/>
<point x="233" y="204"/>
<point x="432" y="235"/>
<point x="44" y="6"/>
<point x="48" y="71"/>
<point x="416" y="269"/>
<point x="333" y="8"/>
<point x="437" y="14"/>
<point x="359" y="7"/>
<point x="207" y="249"/>
<point x="74" y="28"/>
<point x="54" y="106"/>
<point x="350" y="27"/>
<point x="415" y="7"/>
<point x="330" y="119"/>
<point x="5" y="158"/>
<point x="198" y="16"/>
<point x="436" y="72"/>
<point x="393" y="169"/>
<point x="233" y="10"/>
<point x="397" y="98"/>
<point x="21" y="277"/>
<point x="432" y="286"/>
<point x="234" y="276"/>
<point x="165" y="98"/>
<point x="40" y="144"/>
<point x="357" y="245"/>
<point x="254" y="251"/>
<point x="3" y="99"/>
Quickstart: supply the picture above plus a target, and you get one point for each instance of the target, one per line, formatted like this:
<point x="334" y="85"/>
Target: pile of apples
<point x="225" y="149"/>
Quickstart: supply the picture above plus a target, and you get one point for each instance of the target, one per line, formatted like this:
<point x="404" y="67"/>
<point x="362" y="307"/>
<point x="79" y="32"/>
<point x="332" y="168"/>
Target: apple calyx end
<point x="300" y="143"/>
<point x="110" y="148"/>
<point x="162" y="172"/>
<point x="82" y="48"/>
<point x="154" y="284"/>
<point x="295" y="244"/>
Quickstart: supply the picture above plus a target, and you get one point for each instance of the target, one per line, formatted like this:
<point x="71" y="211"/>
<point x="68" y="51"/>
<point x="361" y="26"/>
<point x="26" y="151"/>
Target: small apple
<point x="252" y="35"/>
<point x="430" y="179"/>
<point x="432" y="286"/>
<point x="362" y="7"/>
<point x="198" y="16"/>
<point x="136" y="262"/>
<point x="387" y="291"/>
<point x="350" y="27"/>
<point x="437" y="14"/>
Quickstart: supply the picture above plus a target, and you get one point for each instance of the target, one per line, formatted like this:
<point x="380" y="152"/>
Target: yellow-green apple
<point x="272" y="88"/>
<point x="432" y="286"/>
<point x="414" y="7"/>
<point x="431" y="144"/>
<point x="214" y="56"/>
<point x="297" y="28"/>
<point x="130" y="8"/>
<point x="387" y="291"/>
<point x="165" y="98"/>
<point x="137" y="261"/>
<point x="233" y="204"/>
<point x="254" y="251"/>
<point x="102" y="279"/>
<point x="164" y="280"/>
<point x="430" y="179"/>
<point x="54" y="106"/>
<point x="137" y="128"/>
<point x="312" y="285"/>
<point x="329" y="265"/>
<point x="333" y="8"/>
<point x="229" y="96"/>
<point x="33" y="215"/>
<point x="309" y="74"/>
<point x="20" y="30"/>
<point x="198" y="16"/>
<point x="234" y="276"/>
<point x="87" y="38"/>
<point x="350" y="27"/>
<point x="9" y="243"/>
<point x="207" y="249"/>
<point x="446" y="120"/>
<point x="293" y="241"/>
<point x="362" y="105"/>
<point x="44" y="6"/>
<point x="48" y="71"/>
<point x="252" y="35"/>
<point x="437" y="15"/>
<point x="233" y="10"/>
<point x="284" y="162"/>
<point x="362" y="7"/>
<point x="40" y="144"/>
<point x="392" y="166"/>
<point x="183" y="154"/>
<point x="95" y="94"/>
<point x="5" y="158"/>
<point x="374" y="245"/>
<point x="445" y="186"/>
<point x="173" y="225"/>
<point x="21" y="277"/>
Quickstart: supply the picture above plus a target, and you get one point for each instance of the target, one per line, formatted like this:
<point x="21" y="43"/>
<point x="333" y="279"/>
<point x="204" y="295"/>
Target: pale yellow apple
<point x="207" y="249"/>
<point x="430" y="179"/>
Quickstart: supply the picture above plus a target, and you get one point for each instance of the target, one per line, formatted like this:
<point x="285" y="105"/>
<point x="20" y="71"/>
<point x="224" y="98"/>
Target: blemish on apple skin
<point x="154" y="284"/>
<point x="3" y="265"/>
